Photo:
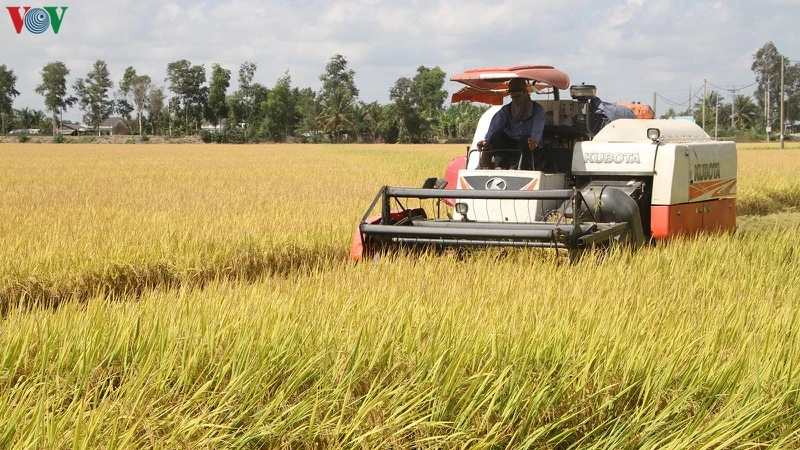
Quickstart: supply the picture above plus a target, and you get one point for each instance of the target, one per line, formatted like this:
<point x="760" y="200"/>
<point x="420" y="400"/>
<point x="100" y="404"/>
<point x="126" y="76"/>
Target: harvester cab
<point x="602" y="174"/>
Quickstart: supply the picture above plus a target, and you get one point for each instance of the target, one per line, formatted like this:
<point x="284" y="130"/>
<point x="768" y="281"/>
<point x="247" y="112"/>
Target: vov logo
<point x="36" y="20"/>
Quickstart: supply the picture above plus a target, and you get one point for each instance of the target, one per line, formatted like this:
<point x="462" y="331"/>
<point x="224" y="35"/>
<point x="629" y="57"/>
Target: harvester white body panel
<point x="509" y="211"/>
<point x="686" y="165"/>
<point x="612" y="158"/>
<point x="695" y="172"/>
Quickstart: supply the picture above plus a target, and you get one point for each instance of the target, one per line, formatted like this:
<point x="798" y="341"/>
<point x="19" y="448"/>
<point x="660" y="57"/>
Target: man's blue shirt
<point x="533" y="126"/>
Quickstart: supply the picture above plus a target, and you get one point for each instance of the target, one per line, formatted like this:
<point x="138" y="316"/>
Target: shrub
<point x="229" y="136"/>
<point x="59" y="138"/>
<point x="23" y="138"/>
<point x="237" y="136"/>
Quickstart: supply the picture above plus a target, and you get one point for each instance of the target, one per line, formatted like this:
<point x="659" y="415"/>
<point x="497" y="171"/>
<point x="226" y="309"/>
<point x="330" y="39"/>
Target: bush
<point x="236" y="136"/>
<point x="144" y="138"/>
<point x="23" y="138"/>
<point x="229" y="136"/>
<point x="59" y="138"/>
<point x="314" y="137"/>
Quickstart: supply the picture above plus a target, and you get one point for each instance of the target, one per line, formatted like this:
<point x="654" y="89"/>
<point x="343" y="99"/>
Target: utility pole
<point x="705" y="94"/>
<point x="716" y="119"/>
<point x="768" y="107"/>
<point x="654" y="105"/>
<point x="782" y="95"/>
<point x="733" y="105"/>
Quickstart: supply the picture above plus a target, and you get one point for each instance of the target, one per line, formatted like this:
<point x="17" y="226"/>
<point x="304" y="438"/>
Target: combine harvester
<point x="596" y="180"/>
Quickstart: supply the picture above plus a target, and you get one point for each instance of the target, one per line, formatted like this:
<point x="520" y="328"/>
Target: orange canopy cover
<point x="489" y="84"/>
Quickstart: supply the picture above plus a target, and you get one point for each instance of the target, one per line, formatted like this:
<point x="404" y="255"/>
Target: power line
<point x="670" y="101"/>
<point x="732" y="88"/>
<point x="676" y="103"/>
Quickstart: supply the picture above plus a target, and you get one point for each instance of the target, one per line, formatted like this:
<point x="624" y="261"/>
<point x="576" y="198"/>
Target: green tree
<point x="244" y="105"/>
<point x="122" y="106"/>
<point x="745" y="112"/>
<point x="460" y="121"/>
<point x="217" y="107"/>
<point x="419" y="104"/>
<point x="26" y="118"/>
<point x="157" y="118"/>
<point x="337" y="114"/>
<point x="430" y="97"/>
<point x="8" y="91"/>
<point x="299" y="98"/>
<point x="767" y="68"/>
<point x="388" y="128"/>
<point x="338" y="96"/>
<point x="429" y="90"/>
<point x="278" y="110"/>
<point x="367" y="118"/>
<point x="137" y="89"/>
<point x="186" y="81"/>
<point x="338" y="77"/>
<point x="406" y="114"/>
<point x="54" y="90"/>
<point x="93" y="94"/>
<point x="309" y="111"/>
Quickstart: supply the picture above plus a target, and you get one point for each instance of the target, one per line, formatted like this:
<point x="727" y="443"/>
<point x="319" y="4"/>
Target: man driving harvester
<point x="518" y="125"/>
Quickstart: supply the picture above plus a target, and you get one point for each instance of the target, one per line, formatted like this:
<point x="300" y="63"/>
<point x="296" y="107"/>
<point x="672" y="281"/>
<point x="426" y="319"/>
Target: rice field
<point x="183" y="296"/>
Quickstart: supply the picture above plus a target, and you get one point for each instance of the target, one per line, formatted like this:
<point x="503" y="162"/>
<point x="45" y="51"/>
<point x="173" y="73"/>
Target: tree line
<point x="192" y="97"/>
<point x="253" y="112"/>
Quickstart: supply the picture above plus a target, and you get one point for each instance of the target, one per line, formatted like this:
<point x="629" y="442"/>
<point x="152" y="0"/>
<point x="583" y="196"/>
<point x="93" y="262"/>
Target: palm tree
<point x="337" y="113"/>
<point x="367" y="118"/>
<point x="28" y="118"/>
<point x="745" y="112"/>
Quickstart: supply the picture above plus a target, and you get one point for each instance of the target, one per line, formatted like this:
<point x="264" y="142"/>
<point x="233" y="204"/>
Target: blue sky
<point x="629" y="49"/>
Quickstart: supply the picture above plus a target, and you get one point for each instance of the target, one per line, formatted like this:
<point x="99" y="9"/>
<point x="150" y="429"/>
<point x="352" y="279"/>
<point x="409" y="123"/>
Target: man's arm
<point x="498" y="122"/>
<point x="537" y="129"/>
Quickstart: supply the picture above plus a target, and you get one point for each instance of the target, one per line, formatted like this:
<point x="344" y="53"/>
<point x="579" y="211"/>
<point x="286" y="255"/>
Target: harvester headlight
<point x="653" y="134"/>
<point x="462" y="208"/>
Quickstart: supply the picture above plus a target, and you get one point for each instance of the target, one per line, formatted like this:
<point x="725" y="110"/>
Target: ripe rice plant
<point x="204" y="301"/>
<point x="120" y="219"/>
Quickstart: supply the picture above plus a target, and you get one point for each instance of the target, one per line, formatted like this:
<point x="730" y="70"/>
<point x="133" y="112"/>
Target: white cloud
<point x="626" y="47"/>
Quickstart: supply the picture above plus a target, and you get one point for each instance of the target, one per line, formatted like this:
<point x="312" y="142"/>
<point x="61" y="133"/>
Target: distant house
<point x="207" y="126"/>
<point x="26" y="131"/>
<point x="113" y="126"/>
<point x="72" y="129"/>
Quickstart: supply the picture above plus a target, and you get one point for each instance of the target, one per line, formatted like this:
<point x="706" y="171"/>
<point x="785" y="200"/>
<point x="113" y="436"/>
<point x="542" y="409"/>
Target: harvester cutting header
<point x="563" y="173"/>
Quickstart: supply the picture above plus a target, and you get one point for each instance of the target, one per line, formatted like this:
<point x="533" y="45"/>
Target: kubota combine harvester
<point x="596" y="179"/>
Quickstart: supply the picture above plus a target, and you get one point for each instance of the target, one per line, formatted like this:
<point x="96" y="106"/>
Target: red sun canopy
<point x="489" y="84"/>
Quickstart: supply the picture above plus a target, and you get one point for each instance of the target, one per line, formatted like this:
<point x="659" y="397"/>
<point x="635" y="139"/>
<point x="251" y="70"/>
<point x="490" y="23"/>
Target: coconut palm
<point x="337" y="113"/>
<point x="745" y="112"/>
